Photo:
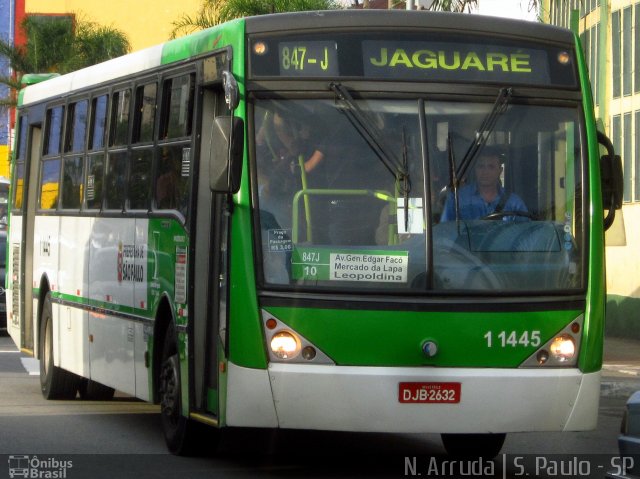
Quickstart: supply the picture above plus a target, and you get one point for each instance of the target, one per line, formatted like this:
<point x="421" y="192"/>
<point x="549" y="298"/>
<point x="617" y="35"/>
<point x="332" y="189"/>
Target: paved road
<point x="122" y="438"/>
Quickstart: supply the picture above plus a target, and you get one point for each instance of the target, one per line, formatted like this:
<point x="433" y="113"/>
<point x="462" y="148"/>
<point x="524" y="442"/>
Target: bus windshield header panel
<point x="414" y="57"/>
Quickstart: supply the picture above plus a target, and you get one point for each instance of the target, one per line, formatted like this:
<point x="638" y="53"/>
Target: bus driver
<point x="486" y="195"/>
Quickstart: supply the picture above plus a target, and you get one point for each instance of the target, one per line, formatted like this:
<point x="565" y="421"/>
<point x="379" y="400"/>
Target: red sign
<point x="447" y="393"/>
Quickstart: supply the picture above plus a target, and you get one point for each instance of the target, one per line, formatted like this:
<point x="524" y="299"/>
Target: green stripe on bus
<point x="395" y="338"/>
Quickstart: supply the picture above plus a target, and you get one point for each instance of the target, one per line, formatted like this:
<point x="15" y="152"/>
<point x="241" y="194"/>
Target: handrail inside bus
<point x="378" y="194"/>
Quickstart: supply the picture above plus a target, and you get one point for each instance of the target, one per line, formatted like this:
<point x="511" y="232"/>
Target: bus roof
<point x="172" y="51"/>
<point x="341" y="19"/>
<point x="358" y="19"/>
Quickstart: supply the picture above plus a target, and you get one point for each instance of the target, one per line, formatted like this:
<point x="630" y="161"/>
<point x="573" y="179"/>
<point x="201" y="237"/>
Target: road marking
<point x="12" y="352"/>
<point x="627" y="369"/>
<point x="31" y="365"/>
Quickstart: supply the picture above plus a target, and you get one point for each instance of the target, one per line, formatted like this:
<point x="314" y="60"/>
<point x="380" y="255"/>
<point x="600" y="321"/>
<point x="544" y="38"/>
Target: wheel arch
<point x="165" y="315"/>
<point x="45" y="287"/>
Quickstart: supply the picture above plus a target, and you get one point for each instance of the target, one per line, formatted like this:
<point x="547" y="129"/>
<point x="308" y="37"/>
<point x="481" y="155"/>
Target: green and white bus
<point x="245" y="225"/>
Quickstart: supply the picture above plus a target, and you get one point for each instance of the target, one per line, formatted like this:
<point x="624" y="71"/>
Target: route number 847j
<point x="513" y="339"/>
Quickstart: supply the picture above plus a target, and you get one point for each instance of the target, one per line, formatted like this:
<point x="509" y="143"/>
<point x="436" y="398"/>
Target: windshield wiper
<point x="453" y="175"/>
<point x="366" y="127"/>
<point x="371" y="134"/>
<point x="483" y="133"/>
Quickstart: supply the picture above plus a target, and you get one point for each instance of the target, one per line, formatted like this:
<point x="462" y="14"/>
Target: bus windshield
<point x="333" y="214"/>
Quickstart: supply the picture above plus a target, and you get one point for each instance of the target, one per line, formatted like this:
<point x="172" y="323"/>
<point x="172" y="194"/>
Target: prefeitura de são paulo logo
<point x="131" y="261"/>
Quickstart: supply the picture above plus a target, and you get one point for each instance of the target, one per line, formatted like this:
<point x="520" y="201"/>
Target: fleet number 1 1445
<point x="513" y="339"/>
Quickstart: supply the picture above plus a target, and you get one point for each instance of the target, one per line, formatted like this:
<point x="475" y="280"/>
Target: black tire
<point x="183" y="436"/>
<point x="486" y="446"/>
<point x="55" y="382"/>
<point x="94" y="391"/>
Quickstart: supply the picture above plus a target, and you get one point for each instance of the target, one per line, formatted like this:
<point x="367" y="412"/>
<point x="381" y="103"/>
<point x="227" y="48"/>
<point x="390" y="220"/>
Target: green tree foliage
<point x="453" y="5"/>
<point x="58" y="44"/>
<point x="213" y="12"/>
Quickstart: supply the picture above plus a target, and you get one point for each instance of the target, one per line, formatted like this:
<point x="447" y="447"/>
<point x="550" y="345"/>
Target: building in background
<point x="146" y="23"/>
<point x="610" y="34"/>
<point x="7" y="15"/>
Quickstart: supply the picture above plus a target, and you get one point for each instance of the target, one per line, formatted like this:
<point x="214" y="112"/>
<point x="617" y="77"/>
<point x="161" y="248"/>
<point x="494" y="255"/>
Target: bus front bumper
<point x="348" y="398"/>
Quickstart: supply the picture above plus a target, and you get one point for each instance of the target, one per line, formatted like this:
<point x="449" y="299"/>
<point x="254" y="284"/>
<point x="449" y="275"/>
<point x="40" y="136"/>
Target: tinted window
<point x="145" y="113"/>
<point x="178" y="107"/>
<point x="120" y="118"/>
<point x="140" y="179"/>
<point x="95" y="175"/>
<point x="49" y="184"/>
<point x="172" y="182"/>
<point x="53" y="135"/>
<point x="98" y="122"/>
<point x="18" y="185"/>
<point x="22" y="142"/>
<point x="72" y="183"/>
<point x="116" y="177"/>
<point x="77" y="126"/>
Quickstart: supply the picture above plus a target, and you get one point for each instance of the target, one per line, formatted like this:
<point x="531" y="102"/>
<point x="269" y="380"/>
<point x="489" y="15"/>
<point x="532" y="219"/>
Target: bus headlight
<point x="563" y="348"/>
<point x="285" y="345"/>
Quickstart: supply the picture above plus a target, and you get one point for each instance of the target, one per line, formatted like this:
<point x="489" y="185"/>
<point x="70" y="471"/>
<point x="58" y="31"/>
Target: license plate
<point x="448" y="393"/>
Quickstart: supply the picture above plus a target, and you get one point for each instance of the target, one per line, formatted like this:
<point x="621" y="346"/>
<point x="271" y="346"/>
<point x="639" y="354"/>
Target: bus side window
<point x="98" y="129"/>
<point x="76" y="126"/>
<point x="119" y="125"/>
<point x="73" y="166"/>
<point x="140" y="179"/>
<point x="145" y="113"/>
<point x="94" y="180"/>
<point x="174" y="154"/>
<point x="72" y="182"/>
<point x="17" y="177"/>
<point x="171" y="184"/>
<point x="177" y="107"/>
<point x="50" y="166"/>
<point x="49" y="184"/>
<point x="115" y="177"/>
<point x="53" y="132"/>
<point x="139" y="184"/>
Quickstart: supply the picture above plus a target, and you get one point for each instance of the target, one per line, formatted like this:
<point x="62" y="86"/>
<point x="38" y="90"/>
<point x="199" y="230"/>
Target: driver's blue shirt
<point x="472" y="206"/>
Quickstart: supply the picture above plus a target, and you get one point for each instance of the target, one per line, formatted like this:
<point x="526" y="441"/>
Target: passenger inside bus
<point x="288" y="144"/>
<point x="486" y="196"/>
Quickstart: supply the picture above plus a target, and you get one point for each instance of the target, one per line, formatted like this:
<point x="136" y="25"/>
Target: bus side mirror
<point x="612" y="181"/>
<point x="227" y="141"/>
<point x="612" y="184"/>
<point x="231" y="92"/>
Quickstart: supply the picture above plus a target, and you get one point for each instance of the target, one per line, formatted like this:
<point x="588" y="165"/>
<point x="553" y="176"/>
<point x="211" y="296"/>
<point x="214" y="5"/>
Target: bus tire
<point x="183" y="436"/>
<point x="55" y="382"/>
<point x="94" y="391"/>
<point x="486" y="446"/>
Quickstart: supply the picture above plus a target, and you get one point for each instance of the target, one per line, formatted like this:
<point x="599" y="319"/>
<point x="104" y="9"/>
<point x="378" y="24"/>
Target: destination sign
<point x="437" y="60"/>
<point x="313" y="58"/>
<point x="412" y="57"/>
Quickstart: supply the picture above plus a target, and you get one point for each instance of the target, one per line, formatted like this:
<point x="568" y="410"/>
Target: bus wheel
<point x="473" y="445"/>
<point x="181" y="434"/>
<point x="55" y="382"/>
<point x="94" y="391"/>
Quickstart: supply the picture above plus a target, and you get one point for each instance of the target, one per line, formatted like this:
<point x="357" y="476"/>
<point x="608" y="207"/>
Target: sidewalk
<point x="621" y="368"/>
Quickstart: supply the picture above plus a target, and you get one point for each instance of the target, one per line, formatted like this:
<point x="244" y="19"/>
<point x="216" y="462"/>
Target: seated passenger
<point x="486" y="195"/>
